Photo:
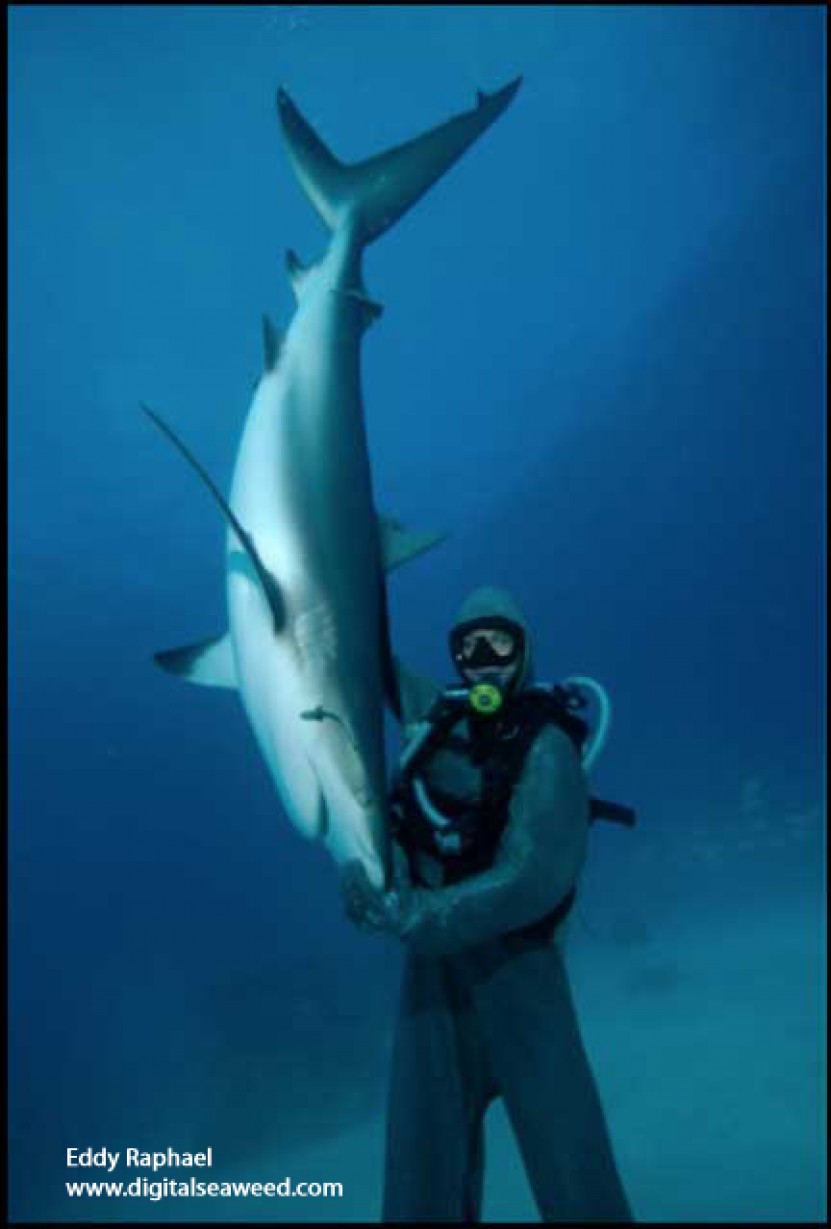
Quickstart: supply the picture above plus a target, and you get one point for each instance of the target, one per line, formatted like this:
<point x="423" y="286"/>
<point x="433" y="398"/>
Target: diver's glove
<point x="423" y="920"/>
<point x="373" y="910"/>
<point x="365" y="906"/>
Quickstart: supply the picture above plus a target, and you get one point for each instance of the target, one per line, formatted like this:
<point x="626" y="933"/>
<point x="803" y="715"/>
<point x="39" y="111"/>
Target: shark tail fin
<point x="374" y="194"/>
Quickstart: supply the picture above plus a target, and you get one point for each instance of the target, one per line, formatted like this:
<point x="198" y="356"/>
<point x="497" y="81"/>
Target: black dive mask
<point x="475" y="648"/>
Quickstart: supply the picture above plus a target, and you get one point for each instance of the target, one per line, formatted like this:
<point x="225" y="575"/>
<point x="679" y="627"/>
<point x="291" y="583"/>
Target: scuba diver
<point x="491" y="814"/>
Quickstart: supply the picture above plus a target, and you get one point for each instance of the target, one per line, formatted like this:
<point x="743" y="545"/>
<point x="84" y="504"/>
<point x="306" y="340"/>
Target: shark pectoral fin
<point x="247" y="563"/>
<point x="399" y="545"/>
<point x="209" y="663"/>
<point x="268" y="582"/>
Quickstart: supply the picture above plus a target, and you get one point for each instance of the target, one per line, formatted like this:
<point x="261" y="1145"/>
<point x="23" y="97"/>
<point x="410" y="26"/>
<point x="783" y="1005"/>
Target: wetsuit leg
<point x="525" y="1008"/>
<point x="438" y="1094"/>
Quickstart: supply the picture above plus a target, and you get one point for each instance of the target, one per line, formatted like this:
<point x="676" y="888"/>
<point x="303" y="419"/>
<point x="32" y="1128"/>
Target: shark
<point x="307" y="646"/>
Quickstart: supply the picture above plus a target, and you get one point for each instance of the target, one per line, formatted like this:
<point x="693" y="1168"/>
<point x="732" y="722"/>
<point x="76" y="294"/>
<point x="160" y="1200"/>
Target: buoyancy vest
<point x="462" y="833"/>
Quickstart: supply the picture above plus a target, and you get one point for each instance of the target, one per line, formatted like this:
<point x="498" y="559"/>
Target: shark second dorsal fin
<point x="297" y="271"/>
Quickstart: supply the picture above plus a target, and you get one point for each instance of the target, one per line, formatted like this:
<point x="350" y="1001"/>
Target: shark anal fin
<point x="399" y="545"/>
<point x="210" y="663"/>
<point x="268" y="582"/>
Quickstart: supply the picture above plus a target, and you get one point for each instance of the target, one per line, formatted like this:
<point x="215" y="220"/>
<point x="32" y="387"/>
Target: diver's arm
<point x="538" y="861"/>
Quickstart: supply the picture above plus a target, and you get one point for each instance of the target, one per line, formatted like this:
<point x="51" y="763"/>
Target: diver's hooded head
<point x="495" y="608"/>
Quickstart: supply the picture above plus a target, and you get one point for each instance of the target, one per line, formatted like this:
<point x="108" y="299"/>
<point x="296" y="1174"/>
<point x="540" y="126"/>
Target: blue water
<point x="602" y="369"/>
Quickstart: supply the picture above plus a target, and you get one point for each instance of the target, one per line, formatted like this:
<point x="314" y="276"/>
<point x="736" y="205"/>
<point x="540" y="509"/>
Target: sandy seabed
<point x="699" y="974"/>
<point x="709" y="1050"/>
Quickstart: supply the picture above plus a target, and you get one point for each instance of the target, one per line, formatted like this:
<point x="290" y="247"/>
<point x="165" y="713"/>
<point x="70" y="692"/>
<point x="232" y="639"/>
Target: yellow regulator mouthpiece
<point x="485" y="698"/>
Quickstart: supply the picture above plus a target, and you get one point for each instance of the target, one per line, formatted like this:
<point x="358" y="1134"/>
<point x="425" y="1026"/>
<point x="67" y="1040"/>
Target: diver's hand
<point x="368" y="907"/>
